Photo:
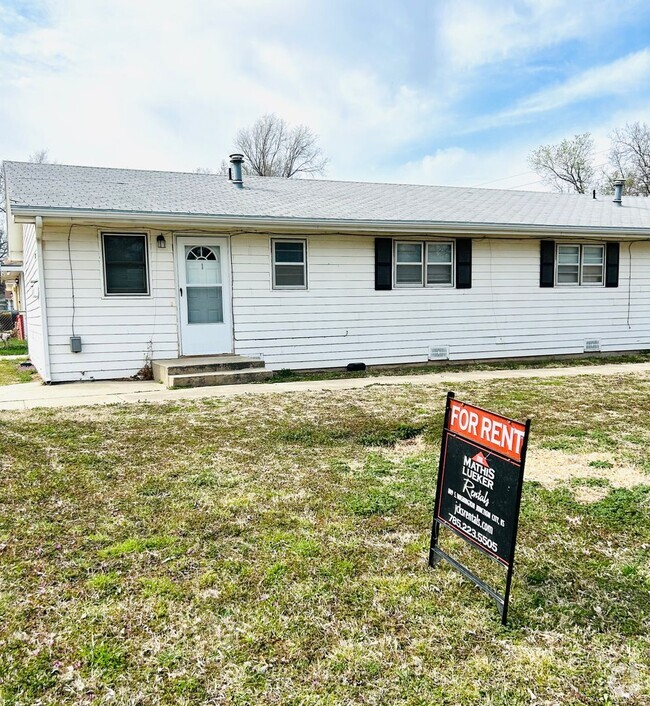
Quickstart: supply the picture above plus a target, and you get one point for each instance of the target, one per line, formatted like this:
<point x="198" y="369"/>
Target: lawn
<point x="273" y="550"/>
<point x="11" y="372"/>
<point x="15" y="346"/>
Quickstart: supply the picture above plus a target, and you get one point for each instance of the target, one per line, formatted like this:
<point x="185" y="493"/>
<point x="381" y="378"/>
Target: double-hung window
<point x="580" y="265"/>
<point x="125" y="263"/>
<point x="424" y="264"/>
<point x="289" y="264"/>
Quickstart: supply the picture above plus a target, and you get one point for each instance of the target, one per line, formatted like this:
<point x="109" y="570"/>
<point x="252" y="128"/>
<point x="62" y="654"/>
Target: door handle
<point x="181" y="291"/>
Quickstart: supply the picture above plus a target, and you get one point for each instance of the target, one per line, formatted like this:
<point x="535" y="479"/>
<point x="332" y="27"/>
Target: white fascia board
<point x="253" y="223"/>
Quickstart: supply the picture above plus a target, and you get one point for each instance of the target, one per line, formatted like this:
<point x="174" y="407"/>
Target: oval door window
<point x="204" y="285"/>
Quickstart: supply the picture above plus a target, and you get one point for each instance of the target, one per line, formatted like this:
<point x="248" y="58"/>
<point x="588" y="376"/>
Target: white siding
<point x="32" y="282"/>
<point x="117" y="333"/>
<point x="342" y="319"/>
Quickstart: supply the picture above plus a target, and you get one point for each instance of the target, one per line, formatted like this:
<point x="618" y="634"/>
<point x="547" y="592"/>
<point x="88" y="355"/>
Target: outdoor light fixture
<point x="161" y="241"/>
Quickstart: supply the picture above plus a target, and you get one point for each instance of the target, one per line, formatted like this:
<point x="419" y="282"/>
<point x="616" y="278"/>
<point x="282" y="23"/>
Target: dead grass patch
<point x="553" y="467"/>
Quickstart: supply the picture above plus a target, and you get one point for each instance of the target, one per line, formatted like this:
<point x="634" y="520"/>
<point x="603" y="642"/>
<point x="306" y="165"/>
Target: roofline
<point x="26" y="214"/>
<point x="279" y="178"/>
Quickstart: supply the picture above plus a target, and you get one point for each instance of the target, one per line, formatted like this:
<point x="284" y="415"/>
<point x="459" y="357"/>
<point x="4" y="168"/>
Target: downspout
<point x="41" y="297"/>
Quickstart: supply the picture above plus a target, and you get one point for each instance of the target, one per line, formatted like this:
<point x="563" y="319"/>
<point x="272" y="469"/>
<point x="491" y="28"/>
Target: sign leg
<point x="506" y="598"/>
<point x="434" y="559"/>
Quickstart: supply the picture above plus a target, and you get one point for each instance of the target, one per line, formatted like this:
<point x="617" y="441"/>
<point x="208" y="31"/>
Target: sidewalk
<point x="34" y="394"/>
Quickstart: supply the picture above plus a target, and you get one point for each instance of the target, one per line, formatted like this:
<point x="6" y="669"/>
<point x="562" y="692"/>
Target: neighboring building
<point x="133" y="266"/>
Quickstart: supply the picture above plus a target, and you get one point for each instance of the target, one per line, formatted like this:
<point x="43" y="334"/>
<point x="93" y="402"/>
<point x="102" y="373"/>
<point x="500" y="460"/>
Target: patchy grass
<point x="272" y="550"/>
<point x="11" y="372"/>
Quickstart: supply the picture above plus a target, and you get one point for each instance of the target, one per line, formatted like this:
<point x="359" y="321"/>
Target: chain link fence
<point x="8" y="320"/>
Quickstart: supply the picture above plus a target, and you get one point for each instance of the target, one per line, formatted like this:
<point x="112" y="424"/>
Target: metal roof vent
<point x="236" y="161"/>
<point x="618" y="191"/>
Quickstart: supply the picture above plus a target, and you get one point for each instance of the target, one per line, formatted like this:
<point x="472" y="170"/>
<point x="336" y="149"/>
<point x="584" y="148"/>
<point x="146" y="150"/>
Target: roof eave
<point x="27" y="214"/>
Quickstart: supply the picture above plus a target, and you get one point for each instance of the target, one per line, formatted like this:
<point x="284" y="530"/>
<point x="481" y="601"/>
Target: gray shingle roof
<point x="43" y="188"/>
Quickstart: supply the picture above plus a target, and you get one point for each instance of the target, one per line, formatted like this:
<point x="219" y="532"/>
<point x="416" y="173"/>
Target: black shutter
<point x="612" y="258"/>
<point x="463" y="263"/>
<point x="547" y="263"/>
<point x="383" y="263"/>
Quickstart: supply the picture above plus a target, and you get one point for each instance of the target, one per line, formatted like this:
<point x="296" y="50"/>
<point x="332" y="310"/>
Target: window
<point x="439" y="263"/>
<point x="410" y="260"/>
<point x="125" y="263"/>
<point x="289" y="264"/>
<point x="580" y="265"/>
<point x="408" y="264"/>
<point x="593" y="264"/>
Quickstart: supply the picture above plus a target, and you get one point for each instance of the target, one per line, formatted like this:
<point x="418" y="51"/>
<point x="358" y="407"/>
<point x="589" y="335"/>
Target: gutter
<point x="315" y="225"/>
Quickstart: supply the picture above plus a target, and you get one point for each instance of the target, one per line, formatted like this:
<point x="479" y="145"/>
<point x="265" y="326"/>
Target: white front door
<point x="204" y="295"/>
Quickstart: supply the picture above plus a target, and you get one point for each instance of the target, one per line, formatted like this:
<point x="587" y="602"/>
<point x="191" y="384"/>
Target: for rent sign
<point x="479" y="486"/>
<point x="490" y="431"/>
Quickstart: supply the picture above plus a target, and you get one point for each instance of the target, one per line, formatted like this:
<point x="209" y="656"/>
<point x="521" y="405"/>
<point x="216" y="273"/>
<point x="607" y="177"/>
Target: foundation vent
<point x="592" y="346"/>
<point x="439" y="353"/>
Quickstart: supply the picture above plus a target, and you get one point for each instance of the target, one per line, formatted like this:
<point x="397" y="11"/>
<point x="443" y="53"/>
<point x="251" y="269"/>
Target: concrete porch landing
<point x="210" y="370"/>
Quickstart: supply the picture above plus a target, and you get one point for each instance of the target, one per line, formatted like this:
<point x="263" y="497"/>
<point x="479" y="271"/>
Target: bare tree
<point x="567" y="166"/>
<point x="629" y="159"/>
<point x="221" y="171"/>
<point x="272" y="148"/>
<point x="39" y="157"/>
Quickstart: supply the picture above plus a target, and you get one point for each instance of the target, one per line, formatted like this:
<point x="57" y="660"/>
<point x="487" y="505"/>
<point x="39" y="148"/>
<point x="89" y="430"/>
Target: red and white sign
<point x="500" y="434"/>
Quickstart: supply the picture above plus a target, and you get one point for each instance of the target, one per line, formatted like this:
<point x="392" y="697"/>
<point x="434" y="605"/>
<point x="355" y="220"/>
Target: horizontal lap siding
<point x="32" y="283"/>
<point x="117" y="333"/>
<point x="342" y="319"/>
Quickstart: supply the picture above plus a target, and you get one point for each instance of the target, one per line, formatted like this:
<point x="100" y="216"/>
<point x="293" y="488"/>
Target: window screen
<point x="289" y="264"/>
<point x="408" y="264"/>
<point x="125" y="264"/>
<point x="593" y="264"/>
<point x="581" y="264"/>
<point x="568" y="264"/>
<point x="420" y="264"/>
<point x="439" y="263"/>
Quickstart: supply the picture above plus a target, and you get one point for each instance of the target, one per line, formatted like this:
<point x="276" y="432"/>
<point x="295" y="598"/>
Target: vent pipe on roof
<point x="618" y="191"/>
<point x="236" y="161"/>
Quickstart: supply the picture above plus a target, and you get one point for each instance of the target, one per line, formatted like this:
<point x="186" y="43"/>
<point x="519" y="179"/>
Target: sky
<point x="454" y="92"/>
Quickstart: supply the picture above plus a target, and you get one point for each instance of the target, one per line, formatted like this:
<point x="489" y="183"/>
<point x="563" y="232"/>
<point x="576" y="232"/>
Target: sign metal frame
<point x="436" y="554"/>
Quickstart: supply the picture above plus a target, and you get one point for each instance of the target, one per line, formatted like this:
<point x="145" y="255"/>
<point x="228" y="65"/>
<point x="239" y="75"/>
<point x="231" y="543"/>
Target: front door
<point x="204" y="295"/>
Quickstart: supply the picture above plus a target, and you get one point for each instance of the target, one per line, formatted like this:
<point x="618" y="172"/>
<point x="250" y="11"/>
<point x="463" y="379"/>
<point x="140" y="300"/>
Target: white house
<point x="123" y="267"/>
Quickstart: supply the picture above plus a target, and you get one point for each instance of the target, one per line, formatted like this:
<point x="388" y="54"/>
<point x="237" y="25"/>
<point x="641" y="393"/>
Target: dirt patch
<point x="589" y="494"/>
<point x="550" y="467"/>
<point x="406" y="448"/>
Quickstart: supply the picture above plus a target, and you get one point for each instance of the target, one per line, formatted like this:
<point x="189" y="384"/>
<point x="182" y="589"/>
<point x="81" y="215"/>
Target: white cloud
<point x="474" y="33"/>
<point x="619" y="77"/>
<point x="164" y="84"/>
<point x="455" y="166"/>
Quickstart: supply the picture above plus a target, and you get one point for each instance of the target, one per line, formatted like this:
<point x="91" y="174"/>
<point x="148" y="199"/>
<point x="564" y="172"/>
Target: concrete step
<point x="164" y="369"/>
<point x="221" y="377"/>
